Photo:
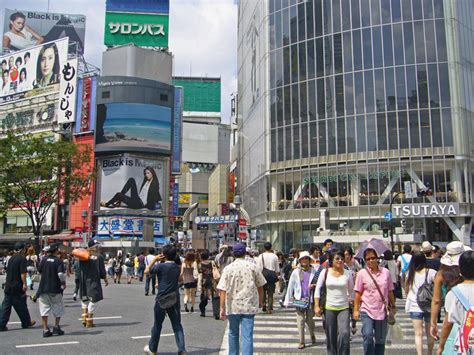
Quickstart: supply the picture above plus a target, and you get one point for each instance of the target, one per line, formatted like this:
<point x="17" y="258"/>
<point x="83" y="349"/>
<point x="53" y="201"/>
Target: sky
<point x="203" y="36"/>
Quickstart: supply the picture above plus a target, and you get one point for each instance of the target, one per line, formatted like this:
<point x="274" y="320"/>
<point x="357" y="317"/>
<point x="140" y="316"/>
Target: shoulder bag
<point x="216" y="274"/>
<point x="390" y="313"/>
<point x="270" y="276"/>
<point x="323" y="293"/>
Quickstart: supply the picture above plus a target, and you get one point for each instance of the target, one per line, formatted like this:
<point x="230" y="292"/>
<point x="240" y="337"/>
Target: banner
<point x="177" y="131"/>
<point x="154" y="6"/>
<point x="33" y="72"/>
<point x="86" y="104"/>
<point x="117" y="227"/>
<point x="26" y="29"/>
<point x="28" y="116"/>
<point x="146" y="30"/>
<point x="129" y="182"/>
<point x="67" y="92"/>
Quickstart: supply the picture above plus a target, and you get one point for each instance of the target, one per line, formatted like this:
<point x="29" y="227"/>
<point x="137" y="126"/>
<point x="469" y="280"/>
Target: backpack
<point x="207" y="277"/>
<point x="405" y="264"/>
<point x="425" y="294"/>
<point x="128" y="262"/>
<point x="29" y="262"/>
<point x="465" y="336"/>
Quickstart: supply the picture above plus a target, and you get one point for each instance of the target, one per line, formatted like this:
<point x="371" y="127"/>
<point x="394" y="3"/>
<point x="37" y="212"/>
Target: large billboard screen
<point x="143" y="6"/>
<point x="135" y="124"/>
<point x="33" y="72"/>
<point x="26" y="29"/>
<point x="131" y="183"/>
<point x="145" y="30"/>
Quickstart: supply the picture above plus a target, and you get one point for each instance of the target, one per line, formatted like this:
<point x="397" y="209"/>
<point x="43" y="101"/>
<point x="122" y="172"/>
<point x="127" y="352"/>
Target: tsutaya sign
<point x="426" y="210"/>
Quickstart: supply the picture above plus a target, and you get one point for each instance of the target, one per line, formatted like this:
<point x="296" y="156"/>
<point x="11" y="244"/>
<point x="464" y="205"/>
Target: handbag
<point x="301" y="303"/>
<point x="270" y="276"/>
<point x="216" y="274"/>
<point x="388" y="308"/>
<point x="168" y="300"/>
<point x="81" y="254"/>
<point x="322" y="297"/>
<point x="36" y="277"/>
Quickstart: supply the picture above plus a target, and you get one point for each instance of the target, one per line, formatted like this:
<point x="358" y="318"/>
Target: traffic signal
<point x="385" y="232"/>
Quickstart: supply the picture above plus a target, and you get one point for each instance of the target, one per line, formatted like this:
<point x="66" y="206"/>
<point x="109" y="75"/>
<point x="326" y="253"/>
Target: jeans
<point x="18" y="302"/>
<point x="374" y="333"/>
<point x="147" y="283"/>
<point x="141" y="269"/>
<point x="174" y="313"/>
<point x="246" y="322"/>
<point x="337" y="332"/>
<point x="268" y="291"/>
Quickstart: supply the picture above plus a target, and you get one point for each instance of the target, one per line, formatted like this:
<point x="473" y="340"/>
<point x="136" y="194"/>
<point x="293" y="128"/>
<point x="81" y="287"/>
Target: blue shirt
<point x="168" y="277"/>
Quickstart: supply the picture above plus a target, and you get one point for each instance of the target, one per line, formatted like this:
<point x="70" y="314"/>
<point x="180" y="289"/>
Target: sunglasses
<point x="372" y="258"/>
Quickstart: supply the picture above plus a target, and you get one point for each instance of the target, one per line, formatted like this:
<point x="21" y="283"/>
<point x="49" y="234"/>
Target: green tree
<point x="37" y="170"/>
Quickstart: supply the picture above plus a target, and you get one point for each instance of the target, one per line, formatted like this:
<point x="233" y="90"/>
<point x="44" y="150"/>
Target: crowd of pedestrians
<point x="350" y="291"/>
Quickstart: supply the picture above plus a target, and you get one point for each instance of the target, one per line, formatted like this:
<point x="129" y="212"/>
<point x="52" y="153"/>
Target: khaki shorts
<point x="50" y="302"/>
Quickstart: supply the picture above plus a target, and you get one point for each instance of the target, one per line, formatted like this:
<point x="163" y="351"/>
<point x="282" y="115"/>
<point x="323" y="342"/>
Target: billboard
<point x="144" y="6"/>
<point x="26" y="29"/>
<point x="67" y="92"/>
<point x="145" y="30"/>
<point x="126" y="226"/>
<point x="139" y="125"/>
<point x="86" y="104"/>
<point x="27" y="117"/>
<point x="33" y="72"/>
<point x="133" y="183"/>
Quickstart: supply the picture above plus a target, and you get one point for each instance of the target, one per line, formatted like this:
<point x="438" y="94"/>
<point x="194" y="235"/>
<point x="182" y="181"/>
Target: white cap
<point x="426" y="247"/>
<point x="304" y="254"/>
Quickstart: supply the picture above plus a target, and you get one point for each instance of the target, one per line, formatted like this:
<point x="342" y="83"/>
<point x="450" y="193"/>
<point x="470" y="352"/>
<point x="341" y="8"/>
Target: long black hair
<point x="154" y="195"/>
<point x="55" y="73"/>
<point x="417" y="263"/>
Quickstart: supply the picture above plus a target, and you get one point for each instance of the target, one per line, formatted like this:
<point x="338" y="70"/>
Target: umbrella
<point x="376" y="244"/>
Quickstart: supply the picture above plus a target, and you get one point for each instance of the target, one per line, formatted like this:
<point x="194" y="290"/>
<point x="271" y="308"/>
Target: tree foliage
<point x="38" y="170"/>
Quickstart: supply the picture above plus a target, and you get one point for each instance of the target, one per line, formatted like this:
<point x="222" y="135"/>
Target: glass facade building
<point x="357" y="107"/>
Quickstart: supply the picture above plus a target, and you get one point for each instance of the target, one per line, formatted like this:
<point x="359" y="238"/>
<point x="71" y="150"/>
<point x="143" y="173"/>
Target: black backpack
<point x="425" y="294"/>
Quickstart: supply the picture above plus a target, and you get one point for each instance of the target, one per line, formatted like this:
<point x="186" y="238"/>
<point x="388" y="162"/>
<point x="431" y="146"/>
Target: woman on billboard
<point x="47" y="66"/>
<point x="147" y="197"/>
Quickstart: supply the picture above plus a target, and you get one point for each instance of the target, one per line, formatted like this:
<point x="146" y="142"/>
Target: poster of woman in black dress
<point x="147" y="195"/>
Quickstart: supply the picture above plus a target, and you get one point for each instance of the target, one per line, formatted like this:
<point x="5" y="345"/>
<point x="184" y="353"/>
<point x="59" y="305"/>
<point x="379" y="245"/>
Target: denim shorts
<point x="421" y="316"/>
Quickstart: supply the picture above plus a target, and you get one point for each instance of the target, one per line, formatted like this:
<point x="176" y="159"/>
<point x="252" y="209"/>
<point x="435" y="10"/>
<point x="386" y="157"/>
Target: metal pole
<point x="392" y="243"/>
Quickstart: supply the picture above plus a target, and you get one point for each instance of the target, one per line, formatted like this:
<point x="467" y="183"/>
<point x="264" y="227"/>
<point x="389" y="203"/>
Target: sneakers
<point x="74" y="297"/>
<point x="58" y="331"/>
<point x="147" y="350"/>
<point x="47" y="333"/>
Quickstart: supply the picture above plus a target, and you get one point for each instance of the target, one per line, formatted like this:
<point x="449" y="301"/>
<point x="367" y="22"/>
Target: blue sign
<point x="388" y="216"/>
<point x="144" y="6"/>
<point x="175" y="199"/>
<point x="227" y="219"/>
<point x="177" y="131"/>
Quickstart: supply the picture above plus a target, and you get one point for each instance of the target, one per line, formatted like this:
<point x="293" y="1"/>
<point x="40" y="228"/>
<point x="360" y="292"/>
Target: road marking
<point x="101" y="318"/>
<point x="14" y="322"/>
<point x="46" y="344"/>
<point x="149" y="336"/>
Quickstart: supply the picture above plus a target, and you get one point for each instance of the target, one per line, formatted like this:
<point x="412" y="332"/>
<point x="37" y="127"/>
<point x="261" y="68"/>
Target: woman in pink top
<point x="368" y="304"/>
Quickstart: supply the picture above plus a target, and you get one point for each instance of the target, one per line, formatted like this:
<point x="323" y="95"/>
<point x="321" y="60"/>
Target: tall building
<point x="358" y="108"/>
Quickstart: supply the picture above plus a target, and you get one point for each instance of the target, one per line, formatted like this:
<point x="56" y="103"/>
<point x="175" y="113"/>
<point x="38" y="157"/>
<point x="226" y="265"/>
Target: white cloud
<point x="203" y="36"/>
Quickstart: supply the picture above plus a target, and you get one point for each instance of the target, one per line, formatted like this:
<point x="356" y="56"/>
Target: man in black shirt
<point x="432" y="262"/>
<point x="50" y="290"/>
<point x="15" y="290"/>
<point x="167" y="298"/>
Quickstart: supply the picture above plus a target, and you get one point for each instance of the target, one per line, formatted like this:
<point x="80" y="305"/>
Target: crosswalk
<point x="278" y="333"/>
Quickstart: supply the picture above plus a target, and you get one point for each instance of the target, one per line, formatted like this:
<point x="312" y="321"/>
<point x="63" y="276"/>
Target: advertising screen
<point x="25" y="29"/>
<point x="147" y="30"/>
<point x="33" y="72"/>
<point x="133" y="183"/>
<point x="141" y="126"/>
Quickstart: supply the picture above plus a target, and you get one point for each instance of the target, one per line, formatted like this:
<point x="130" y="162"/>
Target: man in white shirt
<point x="150" y="276"/>
<point x="403" y="261"/>
<point x="269" y="261"/>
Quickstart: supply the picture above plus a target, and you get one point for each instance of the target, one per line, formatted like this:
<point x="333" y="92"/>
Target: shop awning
<point x="63" y="236"/>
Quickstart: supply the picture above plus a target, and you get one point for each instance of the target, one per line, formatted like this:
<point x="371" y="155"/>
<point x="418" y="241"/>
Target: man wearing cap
<point x="432" y="262"/>
<point x="241" y="294"/>
<point x="15" y="290"/>
<point x="50" y="290"/>
<point x="90" y="289"/>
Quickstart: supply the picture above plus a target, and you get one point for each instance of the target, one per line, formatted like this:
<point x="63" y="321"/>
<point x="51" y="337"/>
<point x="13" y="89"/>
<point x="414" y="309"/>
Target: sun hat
<point x="453" y="253"/>
<point x="426" y="247"/>
<point x="304" y="254"/>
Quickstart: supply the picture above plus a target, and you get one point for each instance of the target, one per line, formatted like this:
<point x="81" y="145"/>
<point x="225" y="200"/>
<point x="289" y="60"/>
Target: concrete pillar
<point x="274" y="195"/>
<point x="355" y="190"/>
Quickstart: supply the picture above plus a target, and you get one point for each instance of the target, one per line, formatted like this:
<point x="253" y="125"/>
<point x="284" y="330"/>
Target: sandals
<point x="301" y="346"/>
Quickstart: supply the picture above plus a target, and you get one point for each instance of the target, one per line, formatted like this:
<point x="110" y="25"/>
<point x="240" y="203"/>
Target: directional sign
<point x="388" y="216"/>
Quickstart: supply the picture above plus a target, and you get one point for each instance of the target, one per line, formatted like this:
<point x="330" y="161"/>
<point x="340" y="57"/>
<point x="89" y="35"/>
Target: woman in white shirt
<point x="20" y="36"/>
<point x="417" y="275"/>
<point x="338" y="285"/>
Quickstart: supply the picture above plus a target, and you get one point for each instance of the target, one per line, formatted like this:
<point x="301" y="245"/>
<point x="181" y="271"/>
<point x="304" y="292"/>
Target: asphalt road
<point x="125" y="328"/>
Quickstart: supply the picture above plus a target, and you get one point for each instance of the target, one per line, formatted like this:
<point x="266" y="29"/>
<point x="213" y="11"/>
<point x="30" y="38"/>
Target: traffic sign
<point x="388" y="216"/>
